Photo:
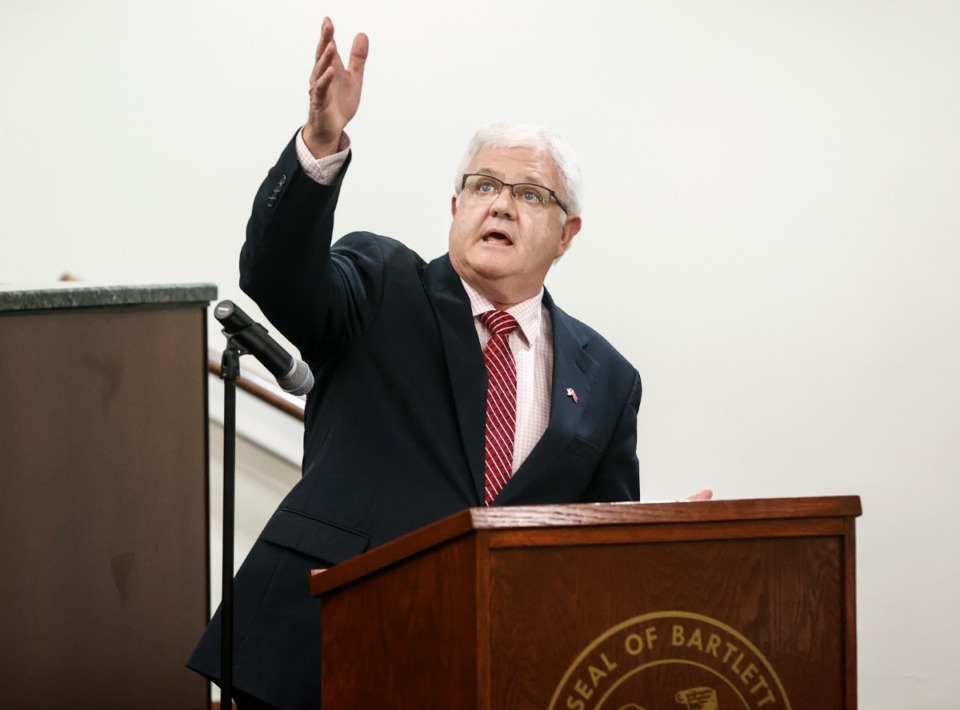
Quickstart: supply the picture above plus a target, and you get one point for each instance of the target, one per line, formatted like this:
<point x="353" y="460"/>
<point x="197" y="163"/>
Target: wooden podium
<point x="714" y="605"/>
<point x="103" y="495"/>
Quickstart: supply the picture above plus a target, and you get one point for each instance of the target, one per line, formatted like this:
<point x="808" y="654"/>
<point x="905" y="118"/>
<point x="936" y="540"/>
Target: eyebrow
<point x="527" y="179"/>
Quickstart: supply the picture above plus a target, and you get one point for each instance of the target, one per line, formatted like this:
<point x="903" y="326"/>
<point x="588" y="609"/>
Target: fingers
<point x="320" y="86"/>
<point x="326" y="35"/>
<point x="326" y="51"/>
<point x="327" y="55"/>
<point x="358" y="54"/>
<point x="322" y="63"/>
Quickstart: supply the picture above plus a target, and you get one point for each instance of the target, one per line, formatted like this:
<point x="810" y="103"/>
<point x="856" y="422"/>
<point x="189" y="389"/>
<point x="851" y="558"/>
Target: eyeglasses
<point x="487" y="187"/>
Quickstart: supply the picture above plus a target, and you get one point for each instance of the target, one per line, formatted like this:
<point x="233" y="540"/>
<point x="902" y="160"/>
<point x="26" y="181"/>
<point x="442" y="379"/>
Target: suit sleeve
<point x="617" y="477"/>
<point x="316" y="297"/>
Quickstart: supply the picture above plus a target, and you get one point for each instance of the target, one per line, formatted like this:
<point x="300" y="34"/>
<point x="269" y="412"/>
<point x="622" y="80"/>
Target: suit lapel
<point x="464" y="360"/>
<point x="573" y="372"/>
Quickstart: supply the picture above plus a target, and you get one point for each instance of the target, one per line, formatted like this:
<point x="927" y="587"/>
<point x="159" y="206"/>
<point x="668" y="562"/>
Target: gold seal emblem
<point x="670" y="659"/>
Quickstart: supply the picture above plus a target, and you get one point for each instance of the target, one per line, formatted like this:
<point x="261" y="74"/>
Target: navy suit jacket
<point x="394" y="433"/>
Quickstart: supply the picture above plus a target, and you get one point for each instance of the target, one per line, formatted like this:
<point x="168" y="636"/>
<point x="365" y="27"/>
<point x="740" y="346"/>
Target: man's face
<point x="500" y="246"/>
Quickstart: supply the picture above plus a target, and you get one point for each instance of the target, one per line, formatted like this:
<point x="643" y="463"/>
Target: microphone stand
<point x="229" y="373"/>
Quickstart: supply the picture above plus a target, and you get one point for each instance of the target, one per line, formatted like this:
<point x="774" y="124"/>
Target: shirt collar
<point x="529" y="313"/>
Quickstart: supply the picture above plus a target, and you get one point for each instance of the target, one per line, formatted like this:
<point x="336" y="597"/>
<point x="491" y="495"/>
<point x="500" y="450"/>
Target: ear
<point x="570" y="229"/>
<point x="453" y="206"/>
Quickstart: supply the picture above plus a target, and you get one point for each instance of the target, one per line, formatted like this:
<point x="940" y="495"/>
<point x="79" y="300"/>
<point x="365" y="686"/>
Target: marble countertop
<point x="79" y="294"/>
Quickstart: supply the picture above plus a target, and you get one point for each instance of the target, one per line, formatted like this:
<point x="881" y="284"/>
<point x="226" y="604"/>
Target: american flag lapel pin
<point x="572" y="395"/>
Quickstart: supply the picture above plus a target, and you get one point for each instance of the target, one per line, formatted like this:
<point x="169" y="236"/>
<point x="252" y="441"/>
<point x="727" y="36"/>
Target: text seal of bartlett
<point x="670" y="659"/>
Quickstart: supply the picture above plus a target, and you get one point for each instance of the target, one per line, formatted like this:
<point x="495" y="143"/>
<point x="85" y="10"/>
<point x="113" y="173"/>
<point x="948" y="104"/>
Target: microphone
<point x="293" y="375"/>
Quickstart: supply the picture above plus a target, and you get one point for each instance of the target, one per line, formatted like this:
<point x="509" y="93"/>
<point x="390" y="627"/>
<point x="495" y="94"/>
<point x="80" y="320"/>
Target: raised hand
<point x="334" y="91"/>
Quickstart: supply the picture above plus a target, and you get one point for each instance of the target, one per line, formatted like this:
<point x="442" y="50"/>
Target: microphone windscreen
<point x="299" y="380"/>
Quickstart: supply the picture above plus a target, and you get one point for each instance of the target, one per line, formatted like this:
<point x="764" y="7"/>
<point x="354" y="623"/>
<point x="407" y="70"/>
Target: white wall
<point x="772" y="202"/>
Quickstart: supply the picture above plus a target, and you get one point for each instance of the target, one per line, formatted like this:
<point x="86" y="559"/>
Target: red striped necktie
<point x="501" y="401"/>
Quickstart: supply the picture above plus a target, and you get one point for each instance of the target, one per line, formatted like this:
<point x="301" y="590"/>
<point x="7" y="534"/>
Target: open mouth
<point x="495" y="237"/>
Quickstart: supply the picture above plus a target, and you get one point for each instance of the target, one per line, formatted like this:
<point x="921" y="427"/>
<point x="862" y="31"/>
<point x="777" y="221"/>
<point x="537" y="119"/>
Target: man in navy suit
<point x="397" y="427"/>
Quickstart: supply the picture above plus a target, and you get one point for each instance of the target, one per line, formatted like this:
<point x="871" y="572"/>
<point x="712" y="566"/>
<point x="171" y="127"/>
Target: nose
<point x="503" y="204"/>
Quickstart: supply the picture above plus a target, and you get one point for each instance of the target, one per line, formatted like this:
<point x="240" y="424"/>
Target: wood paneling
<point x="740" y="603"/>
<point x="103" y="506"/>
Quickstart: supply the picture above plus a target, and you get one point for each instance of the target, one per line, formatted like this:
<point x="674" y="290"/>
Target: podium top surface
<point x="592" y="514"/>
<point x="75" y="294"/>
<point x="581" y="516"/>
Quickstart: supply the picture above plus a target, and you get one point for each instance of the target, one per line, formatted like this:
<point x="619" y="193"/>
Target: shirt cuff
<point x="322" y="170"/>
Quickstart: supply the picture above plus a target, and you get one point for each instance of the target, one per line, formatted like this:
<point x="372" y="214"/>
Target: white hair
<point x="518" y="135"/>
